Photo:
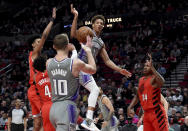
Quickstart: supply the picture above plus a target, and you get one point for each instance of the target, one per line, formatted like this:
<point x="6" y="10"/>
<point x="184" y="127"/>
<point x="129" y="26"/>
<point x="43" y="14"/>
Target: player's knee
<point x="37" y="123"/>
<point x="96" y="89"/>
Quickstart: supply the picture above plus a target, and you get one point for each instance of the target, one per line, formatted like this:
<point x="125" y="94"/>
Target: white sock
<point x="89" y="114"/>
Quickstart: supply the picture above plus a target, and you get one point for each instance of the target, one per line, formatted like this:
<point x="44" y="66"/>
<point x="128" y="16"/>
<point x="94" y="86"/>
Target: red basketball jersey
<point x="43" y="85"/>
<point x="149" y="96"/>
<point x="31" y="69"/>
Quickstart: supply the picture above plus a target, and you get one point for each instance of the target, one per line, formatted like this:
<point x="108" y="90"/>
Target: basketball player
<point x="110" y="122"/>
<point x="98" y="47"/>
<point x="43" y="86"/>
<point x="37" y="45"/>
<point x="149" y="94"/>
<point x="63" y="73"/>
<point x="164" y="103"/>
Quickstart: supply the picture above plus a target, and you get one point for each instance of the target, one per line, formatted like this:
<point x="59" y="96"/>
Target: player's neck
<point x="61" y="55"/>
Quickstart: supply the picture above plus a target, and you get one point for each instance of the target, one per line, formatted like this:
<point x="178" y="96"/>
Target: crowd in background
<point x="166" y="39"/>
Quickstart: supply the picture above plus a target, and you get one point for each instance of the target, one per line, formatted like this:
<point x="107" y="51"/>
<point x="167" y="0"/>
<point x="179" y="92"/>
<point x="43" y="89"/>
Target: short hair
<point x="96" y="17"/>
<point x="61" y="41"/>
<point x="40" y="63"/>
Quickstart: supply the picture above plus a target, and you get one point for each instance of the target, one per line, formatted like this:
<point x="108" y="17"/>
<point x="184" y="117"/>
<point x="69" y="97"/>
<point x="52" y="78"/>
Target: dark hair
<point x="31" y="39"/>
<point x="61" y="41"/>
<point x="40" y="63"/>
<point x="94" y="18"/>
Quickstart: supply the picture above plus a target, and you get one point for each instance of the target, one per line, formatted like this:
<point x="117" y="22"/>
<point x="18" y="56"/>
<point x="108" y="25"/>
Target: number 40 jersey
<point x="64" y="85"/>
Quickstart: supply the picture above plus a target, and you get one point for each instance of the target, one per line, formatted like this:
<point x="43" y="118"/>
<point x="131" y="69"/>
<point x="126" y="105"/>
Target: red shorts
<point x="46" y="116"/>
<point x="155" y="120"/>
<point x="34" y="100"/>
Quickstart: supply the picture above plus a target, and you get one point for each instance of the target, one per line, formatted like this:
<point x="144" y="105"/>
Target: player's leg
<point x="47" y="125"/>
<point x="35" y="103"/>
<point x="147" y="126"/>
<point x="160" y="123"/>
<point x="89" y="83"/>
<point x="63" y="115"/>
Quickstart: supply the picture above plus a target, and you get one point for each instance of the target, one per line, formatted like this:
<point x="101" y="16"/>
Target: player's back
<point x="97" y="45"/>
<point x="149" y="96"/>
<point x="43" y="85"/>
<point x="64" y="84"/>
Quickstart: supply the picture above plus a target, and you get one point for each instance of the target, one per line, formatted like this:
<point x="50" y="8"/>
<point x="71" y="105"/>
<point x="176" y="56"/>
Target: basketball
<point x="82" y="34"/>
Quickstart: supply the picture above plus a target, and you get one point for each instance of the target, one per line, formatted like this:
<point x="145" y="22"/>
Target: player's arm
<point x="91" y="66"/>
<point x="108" y="104"/>
<point x="133" y="103"/>
<point x="165" y="103"/>
<point x="44" y="35"/>
<point x="74" y="23"/>
<point x="111" y="64"/>
<point x="158" y="78"/>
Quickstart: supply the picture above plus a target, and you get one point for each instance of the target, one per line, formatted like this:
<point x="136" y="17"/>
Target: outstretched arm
<point x="112" y="65"/>
<point x="45" y="33"/>
<point x="74" y="23"/>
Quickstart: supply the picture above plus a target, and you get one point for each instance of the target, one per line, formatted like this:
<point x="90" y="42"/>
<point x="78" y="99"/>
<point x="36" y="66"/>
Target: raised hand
<point x="54" y="13"/>
<point x="150" y="60"/>
<point x="74" y="11"/>
<point x="125" y="73"/>
<point x="89" y="43"/>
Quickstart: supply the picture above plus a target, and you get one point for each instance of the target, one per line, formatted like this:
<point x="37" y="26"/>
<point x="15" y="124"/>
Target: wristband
<point x="52" y="19"/>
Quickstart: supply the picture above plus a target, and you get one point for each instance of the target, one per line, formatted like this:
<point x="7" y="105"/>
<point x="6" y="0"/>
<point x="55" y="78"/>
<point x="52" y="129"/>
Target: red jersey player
<point x="37" y="45"/>
<point x="44" y="89"/>
<point x="149" y="94"/>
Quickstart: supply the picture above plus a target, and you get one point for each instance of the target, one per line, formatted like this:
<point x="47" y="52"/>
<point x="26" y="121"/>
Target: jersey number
<point x="47" y="91"/>
<point x="60" y="87"/>
<point x="144" y="97"/>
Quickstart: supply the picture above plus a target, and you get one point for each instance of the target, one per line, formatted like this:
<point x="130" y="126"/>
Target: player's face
<point x="98" y="25"/>
<point x="36" y="43"/>
<point x="147" y="68"/>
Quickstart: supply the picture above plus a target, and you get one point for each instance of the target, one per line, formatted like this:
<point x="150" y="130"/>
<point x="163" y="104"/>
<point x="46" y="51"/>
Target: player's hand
<point x="125" y="73"/>
<point x="139" y="122"/>
<point x="89" y="42"/>
<point x="96" y="120"/>
<point x="74" y="11"/>
<point x="130" y="112"/>
<point x="71" y="47"/>
<point x="150" y="60"/>
<point x="54" y="13"/>
<point x="104" y="124"/>
<point x="88" y="45"/>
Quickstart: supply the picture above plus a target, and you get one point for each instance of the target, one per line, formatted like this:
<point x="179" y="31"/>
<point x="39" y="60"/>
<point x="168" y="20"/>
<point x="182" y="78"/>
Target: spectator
<point x="17" y="118"/>
<point x="121" y="120"/>
<point x="3" y="121"/>
<point x="177" y="96"/>
<point x="161" y="70"/>
<point x="184" y="127"/>
<point x="175" y="125"/>
<point x="176" y="52"/>
<point x="4" y="106"/>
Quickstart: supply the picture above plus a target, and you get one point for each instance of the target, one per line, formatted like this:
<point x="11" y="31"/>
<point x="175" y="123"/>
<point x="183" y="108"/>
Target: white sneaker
<point x="89" y="125"/>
